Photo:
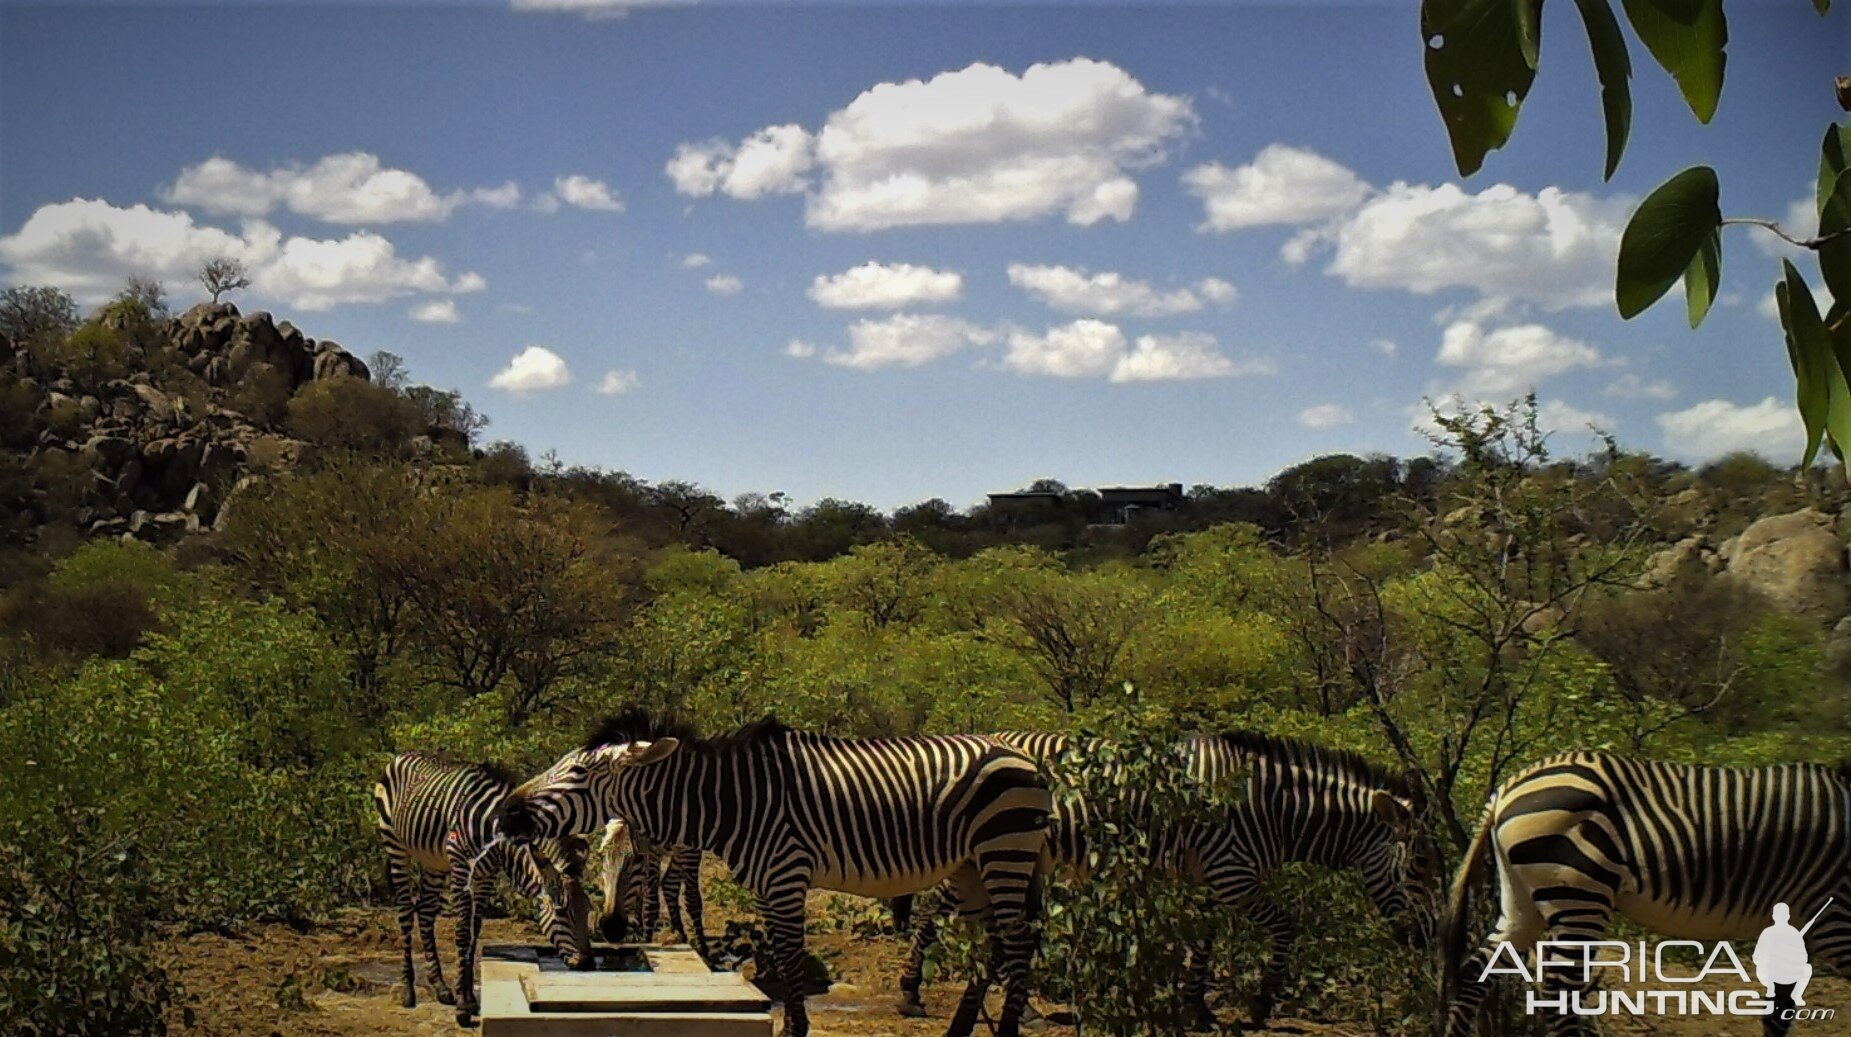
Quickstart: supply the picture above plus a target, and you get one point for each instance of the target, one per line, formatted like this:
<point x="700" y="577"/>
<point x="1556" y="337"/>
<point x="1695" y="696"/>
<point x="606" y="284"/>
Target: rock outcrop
<point x="158" y="460"/>
<point x="1796" y="561"/>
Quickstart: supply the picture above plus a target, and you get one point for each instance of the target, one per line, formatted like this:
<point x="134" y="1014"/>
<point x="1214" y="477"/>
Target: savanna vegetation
<point x="190" y="730"/>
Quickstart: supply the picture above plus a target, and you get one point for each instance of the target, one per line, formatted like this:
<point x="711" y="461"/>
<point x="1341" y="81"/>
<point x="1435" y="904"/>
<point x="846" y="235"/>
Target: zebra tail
<point x="1458" y="913"/>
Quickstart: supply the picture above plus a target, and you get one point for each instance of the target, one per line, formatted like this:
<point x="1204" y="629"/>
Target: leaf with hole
<point x="1663" y="237"/>
<point x="1478" y="71"/>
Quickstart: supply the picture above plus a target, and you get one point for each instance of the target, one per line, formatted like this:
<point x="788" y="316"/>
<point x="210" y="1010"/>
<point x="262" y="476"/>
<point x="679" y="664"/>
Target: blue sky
<point x="1110" y="244"/>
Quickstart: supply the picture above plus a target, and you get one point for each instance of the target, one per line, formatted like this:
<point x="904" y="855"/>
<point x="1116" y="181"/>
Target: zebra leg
<point x="430" y="901"/>
<point x="403" y="882"/>
<point x="1195" y="986"/>
<point x="672" y="883"/>
<point x="925" y="934"/>
<point x="783" y="912"/>
<point x="691" y="892"/>
<point x="1263" y="910"/>
<point x="469" y="891"/>
<point x="1521" y="933"/>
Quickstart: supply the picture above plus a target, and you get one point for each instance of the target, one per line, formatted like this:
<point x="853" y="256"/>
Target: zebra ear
<point x="1392" y="810"/>
<point x="651" y="752"/>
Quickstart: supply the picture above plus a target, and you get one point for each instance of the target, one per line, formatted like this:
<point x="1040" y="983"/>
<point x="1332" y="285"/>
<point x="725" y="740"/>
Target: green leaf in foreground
<point x="1687" y="38"/>
<point x="1663" y="237"/>
<point x="1478" y="71"/>
<point x="1614" y="67"/>
<point x="1702" y="277"/>
<point x="1824" y="399"/>
<point x="1834" y="194"/>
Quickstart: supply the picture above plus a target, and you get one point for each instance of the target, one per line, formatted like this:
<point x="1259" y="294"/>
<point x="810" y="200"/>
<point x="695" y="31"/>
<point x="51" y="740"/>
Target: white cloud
<point x="507" y="196"/>
<point x="1181" y="357"/>
<point x="977" y="145"/>
<point x="1630" y="386"/>
<point x="1554" y="248"/>
<point x="88" y="246"/>
<point x="534" y="369"/>
<point x="1109" y="294"/>
<point x="799" y="349"/>
<point x="695" y="260"/>
<point x="1083" y="349"/>
<point x="906" y="340"/>
<point x="1217" y="291"/>
<point x="590" y="9"/>
<point x="1325" y="415"/>
<point x="353" y="187"/>
<point x="1385" y="346"/>
<point x="724" y="284"/>
<point x="1282" y="185"/>
<point x="1712" y="428"/>
<point x="616" y="383"/>
<point x="1510" y="360"/>
<point x="885" y="286"/>
<point x="1564" y="418"/>
<point x="437" y="311"/>
<point x="1089" y="348"/>
<point x="775" y="160"/>
<point x="582" y="192"/>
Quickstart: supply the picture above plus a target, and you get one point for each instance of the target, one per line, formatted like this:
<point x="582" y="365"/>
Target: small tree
<point x="223" y="275"/>
<point x="33" y="315"/>
<point x="146" y="293"/>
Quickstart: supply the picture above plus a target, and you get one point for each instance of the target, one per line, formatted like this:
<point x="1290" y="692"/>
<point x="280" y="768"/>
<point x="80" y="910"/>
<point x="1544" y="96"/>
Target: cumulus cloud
<point x="616" y="383"/>
<point x="354" y="187"/>
<point x="1630" y="386"/>
<point x="976" y="145"/>
<point x="724" y="284"/>
<point x="1083" y="349"/>
<point x="1510" y="360"/>
<point x="88" y="247"/>
<point x="583" y="192"/>
<point x="1325" y="415"/>
<point x="775" y="160"/>
<point x="1109" y="294"/>
<point x="905" y="340"/>
<point x="799" y="349"/>
<point x="1187" y="356"/>
<point x="437" y="311"/>
<point x="1715" y="427"/>
<point x="695" y="260"/>
<point x="507" y="196"/>
<point x="1089" y="348"/>
<point x="1385" y="346"/>
<point x="1562" y="417"/>
<point x="534" y="369"/>
<point x="1282" y="186"/>
<point x="885" y="286"/>
<point x="1553" y="248"/>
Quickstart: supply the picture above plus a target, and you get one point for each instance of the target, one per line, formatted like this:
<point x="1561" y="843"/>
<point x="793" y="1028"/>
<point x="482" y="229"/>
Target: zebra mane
<point x="1342" y="763"/>
<point x="636" y="724"/>
<point x="498" y="772"/>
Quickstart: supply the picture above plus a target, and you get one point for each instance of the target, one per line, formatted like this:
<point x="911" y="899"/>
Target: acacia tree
<point x="1482" y="56"/>
<point x="222" y="275"/>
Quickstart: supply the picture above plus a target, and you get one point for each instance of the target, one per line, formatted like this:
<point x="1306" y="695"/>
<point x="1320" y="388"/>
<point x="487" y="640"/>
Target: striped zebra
<point x="1692" y="852"/>
<point x="634" y="881"/>
<point x="436" y="818"/>
<point x="790" y="811"/>
<point x="1302" y="803"/>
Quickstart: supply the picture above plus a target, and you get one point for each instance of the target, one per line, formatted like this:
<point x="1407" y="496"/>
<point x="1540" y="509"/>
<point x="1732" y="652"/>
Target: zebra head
<point x="577" y="795"/>
<point x="616" y="852"/>
<point x="1401" y="864"/>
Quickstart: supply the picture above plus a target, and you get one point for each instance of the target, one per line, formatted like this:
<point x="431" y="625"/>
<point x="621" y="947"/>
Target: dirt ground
<point x="341" y="980"/>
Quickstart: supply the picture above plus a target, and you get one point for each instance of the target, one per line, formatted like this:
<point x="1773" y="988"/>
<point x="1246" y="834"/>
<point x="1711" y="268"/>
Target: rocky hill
<point x="145" y="426"/>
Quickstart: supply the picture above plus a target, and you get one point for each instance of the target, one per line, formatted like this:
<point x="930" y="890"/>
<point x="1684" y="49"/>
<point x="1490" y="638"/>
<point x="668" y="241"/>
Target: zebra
<point x="632" y="880"/>
<point x="436" y="819"/>
<point x="1302" y="803"/>
<point x="1693" y="852"/>
<point x="789" y="811"/>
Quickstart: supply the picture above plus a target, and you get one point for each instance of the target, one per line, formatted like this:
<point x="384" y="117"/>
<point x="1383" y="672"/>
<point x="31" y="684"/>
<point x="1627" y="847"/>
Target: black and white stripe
<point x="436" y="819"/>
<point x="637" y="876"/>
<point x="1300" y="803"/>
<point x="1692" y="852"/>
<point x="790" y="811"/>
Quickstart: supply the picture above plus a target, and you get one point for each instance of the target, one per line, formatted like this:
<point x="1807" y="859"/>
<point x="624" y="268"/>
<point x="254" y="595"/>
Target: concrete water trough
<point x="637" y="990"/>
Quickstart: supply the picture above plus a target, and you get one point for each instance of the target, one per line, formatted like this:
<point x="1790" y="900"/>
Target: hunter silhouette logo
<point x="1780" y="955"/>
<point x="1782" y="970"/>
